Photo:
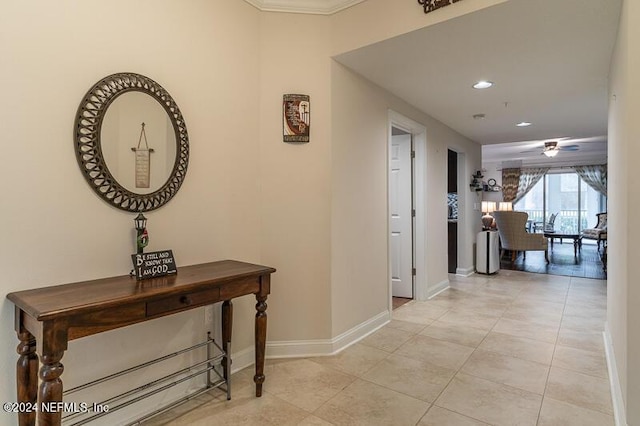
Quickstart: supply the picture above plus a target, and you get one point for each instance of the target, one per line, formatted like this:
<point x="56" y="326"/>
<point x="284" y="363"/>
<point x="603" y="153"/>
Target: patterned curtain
<point x="510" y="182"/>
<point x="595" y="176"/>
<point x="528" y="179"/>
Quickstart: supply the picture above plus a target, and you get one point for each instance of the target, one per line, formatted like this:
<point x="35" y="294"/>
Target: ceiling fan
<point x="551" y="148"/>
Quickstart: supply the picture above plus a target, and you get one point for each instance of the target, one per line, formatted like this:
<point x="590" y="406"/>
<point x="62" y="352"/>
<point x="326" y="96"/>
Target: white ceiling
<point x="549" y="60"/>
<point x="591" y="150"/>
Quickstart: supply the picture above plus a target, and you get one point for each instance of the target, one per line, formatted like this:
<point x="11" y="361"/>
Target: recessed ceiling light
<point x="523" y="124"/>
<point x="483" y="84"/>
<point x="478" y="116"/>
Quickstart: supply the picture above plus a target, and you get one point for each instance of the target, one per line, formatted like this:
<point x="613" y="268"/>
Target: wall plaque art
<point x="153" y="264"/>
<point x="431" y="5"/>
<point x="295" y="118"/>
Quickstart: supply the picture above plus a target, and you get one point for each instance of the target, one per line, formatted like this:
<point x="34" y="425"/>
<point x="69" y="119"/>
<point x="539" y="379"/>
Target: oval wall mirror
<point x="131" y="142"/>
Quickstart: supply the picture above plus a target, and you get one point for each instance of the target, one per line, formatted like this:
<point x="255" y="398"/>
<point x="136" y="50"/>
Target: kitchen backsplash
<point x="452" y="204"/>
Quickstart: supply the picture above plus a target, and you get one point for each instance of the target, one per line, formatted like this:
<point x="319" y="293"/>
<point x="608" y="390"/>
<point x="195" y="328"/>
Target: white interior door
<point x="400" y="206"/>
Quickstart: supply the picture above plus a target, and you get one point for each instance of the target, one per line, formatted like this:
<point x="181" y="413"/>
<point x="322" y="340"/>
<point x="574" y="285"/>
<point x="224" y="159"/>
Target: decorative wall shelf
<point x="476" y="181"/>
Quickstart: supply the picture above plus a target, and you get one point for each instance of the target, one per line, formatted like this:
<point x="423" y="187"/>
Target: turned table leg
<point x="227" y="326"/>
<point x="50" y="389"/>
<point x="27" y="377"/>
<point x="261" y="340"/>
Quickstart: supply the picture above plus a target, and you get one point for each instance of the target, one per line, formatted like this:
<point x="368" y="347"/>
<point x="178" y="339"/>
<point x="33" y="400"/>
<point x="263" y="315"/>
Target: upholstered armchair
<point x="599" y="233"/>
<point x="514" y="236"/>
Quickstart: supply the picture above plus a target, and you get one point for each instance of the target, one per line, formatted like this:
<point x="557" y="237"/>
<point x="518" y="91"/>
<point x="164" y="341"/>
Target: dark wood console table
<point x="46" y="319"/>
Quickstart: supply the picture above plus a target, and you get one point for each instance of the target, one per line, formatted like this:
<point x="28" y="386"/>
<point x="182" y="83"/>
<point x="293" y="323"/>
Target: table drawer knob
<point x="180" y="302"/>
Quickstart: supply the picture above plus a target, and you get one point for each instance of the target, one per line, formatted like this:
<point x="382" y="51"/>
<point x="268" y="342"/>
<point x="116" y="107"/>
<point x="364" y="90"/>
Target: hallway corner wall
<point x="623" y="202"/>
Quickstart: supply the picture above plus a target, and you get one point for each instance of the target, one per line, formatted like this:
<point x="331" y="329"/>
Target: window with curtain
<point x="575" y="201"/>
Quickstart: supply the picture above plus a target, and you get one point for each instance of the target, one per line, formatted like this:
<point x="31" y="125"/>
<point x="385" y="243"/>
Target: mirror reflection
<point x="138" y="142"/>
<point x="138" y="158"/>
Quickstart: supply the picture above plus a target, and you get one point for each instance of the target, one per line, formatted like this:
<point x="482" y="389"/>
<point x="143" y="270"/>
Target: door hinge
<point x="413" y="154"/>
<point x="413" y="271"/>
<point x="413" y="212"/>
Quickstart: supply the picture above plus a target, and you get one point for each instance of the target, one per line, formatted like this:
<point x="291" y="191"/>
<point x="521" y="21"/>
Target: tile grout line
<point x="467" y="360"/>
<point x="555" y="345"/>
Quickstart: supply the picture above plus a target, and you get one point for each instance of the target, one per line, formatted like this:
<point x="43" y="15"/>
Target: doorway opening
<point x="406" y="177"/>
<point x="401" y="215"/>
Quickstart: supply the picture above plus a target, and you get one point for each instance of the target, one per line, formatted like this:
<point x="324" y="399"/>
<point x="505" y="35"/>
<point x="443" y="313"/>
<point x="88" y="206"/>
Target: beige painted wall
<point x="317" y="211"/>
<point x="324" y="206"/>
<point x="360" y="289"/>
<point x="624" y="200"/>
<point x="359" y="204"/>
<point x="295" y="179"/>
<point x="54" y="229"/>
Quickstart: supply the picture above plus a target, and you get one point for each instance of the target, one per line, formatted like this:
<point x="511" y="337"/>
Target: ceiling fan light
<point x="551" y="152"/>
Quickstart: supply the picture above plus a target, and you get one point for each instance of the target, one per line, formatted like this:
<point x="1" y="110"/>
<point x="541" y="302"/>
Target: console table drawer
<point x="182" y="301"/>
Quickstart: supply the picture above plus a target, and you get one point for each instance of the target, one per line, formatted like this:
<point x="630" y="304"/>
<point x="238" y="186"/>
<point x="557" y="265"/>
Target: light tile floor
<point x="512" y="349"/>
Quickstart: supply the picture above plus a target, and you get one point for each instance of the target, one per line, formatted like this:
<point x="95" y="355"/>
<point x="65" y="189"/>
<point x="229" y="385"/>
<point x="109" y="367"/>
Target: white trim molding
<point x="242" y="359"/>
<point x="437" y="289"/>
<point x="419" y="137"/>
<point x="314" y="7"/>
<point x="325" y="347"/>
<point x="619" y="412"/>
<point x="465" y="272"/>
<point x="443" y="286"/>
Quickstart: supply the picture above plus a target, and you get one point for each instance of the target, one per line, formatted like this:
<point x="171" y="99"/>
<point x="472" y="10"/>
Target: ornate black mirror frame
<point x="88" y="125"/>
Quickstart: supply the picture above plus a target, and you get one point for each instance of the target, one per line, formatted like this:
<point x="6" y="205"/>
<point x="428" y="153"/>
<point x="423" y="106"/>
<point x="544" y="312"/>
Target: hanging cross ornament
<point x="431" y="5"/>
<point x="143" y="161"/>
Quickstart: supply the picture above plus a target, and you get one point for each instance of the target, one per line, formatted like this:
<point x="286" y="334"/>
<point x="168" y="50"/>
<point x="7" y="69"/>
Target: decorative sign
<point x="295" y="118"/>
<point x="154" y="264"/>
<point x="143" y="161"/>
<point x="431" y="5"/>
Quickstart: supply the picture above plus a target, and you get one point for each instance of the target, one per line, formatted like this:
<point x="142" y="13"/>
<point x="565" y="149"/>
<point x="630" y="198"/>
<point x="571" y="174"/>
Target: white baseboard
<point x="306" y="348"/>
<point x="437" y="289"/>
<point x="242" y="359"/>
<point x="326" y="347"/>
<point x="465" y="272"/>
<point x="619" y="413"/>
<point x="360" y="331"/>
